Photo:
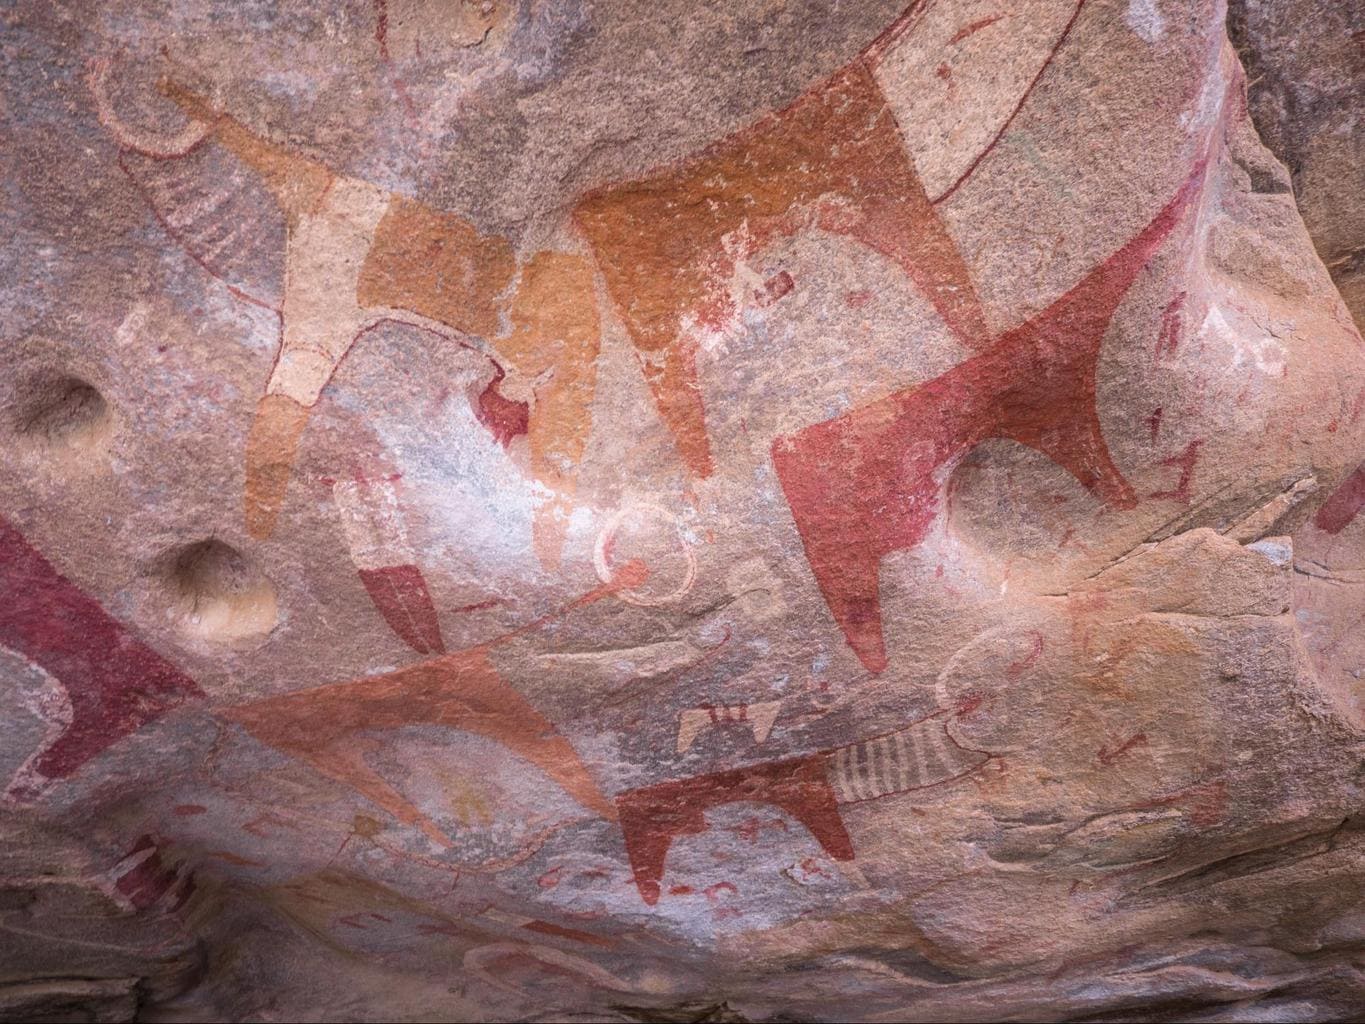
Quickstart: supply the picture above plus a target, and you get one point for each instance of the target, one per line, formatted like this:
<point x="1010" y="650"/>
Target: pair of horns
<point x="151" y="143"/>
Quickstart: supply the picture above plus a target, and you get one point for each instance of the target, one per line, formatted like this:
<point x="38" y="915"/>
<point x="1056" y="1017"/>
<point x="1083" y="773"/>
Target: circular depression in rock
<point x="216" y="593"/>
<point x="64" y="412"/>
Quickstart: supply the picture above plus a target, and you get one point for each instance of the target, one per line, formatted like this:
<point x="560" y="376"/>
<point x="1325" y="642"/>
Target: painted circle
<point x="618" y="529"/>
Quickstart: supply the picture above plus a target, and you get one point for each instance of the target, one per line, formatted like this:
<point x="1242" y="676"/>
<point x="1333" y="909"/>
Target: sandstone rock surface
<point x="675" y="511"/>
<point x="1304" y="63"/>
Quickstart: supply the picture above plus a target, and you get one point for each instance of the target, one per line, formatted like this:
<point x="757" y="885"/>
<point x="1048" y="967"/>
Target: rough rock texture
<point x="1305" y="62"/>
<point x="677" y="511"/>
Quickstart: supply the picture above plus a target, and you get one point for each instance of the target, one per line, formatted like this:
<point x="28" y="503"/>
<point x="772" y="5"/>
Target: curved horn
<point x="147" y="143"/>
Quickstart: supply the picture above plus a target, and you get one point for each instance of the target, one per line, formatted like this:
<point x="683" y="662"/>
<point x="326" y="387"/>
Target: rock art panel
<point x="853" y="495"/>
<point x="671" y="248"/>
<point x="536" y="510"/>
<point x="810" y="790"/>
<point x="387" y="566"/>
<point x="113" y="683"/>
<point x="459" y="691"/>
<point x="400" y="260"/>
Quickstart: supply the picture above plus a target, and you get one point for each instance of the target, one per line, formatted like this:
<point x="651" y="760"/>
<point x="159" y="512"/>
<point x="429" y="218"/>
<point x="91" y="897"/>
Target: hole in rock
<point x="217" y="593"/>
<point x="65" y="412"/>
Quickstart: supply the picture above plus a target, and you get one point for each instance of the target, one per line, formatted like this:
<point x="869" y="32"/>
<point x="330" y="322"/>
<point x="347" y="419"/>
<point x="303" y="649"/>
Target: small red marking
<point x="1017" y="668"/>
<point x="973" y="28"/>
<point x="1108" y="757"/>
<point x="629" y="575"/>
<point x="439" y="929"/>
<point x="749" y="829"/>
<point x="680" y="890"/>
<point x="254" y="826"/>
<point x="235" y="859"/>
<point x="1154" y="422"/>
<point x="812" y="866"/>
<point x="559" y="931"/>
<point x="502" y="417"/>
<point x="1168" y="337"/>
<point x="381" y="38"/>
<point x="586" y="915"/>
<point x="492" y="602"/>
<point x="858" y="299"/>
<point x="1206" y="801"/>
<point x="713" y="892"/>
<point x="1185" y="463"/>
<point x="189" y="810"/>
<point x="777" y="286"/>
<point x="551" y="878"/>
<point x="968" y="703"/>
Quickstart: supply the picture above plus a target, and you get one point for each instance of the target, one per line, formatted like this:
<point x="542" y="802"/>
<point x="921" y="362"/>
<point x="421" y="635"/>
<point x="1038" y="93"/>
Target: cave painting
<point x="144" y="878"/>
<point x="868" y="482"/>
<point x="327" y="726"/>
<point x="113" y="683"/>
<point x="672" y="252"/>
<point x="670" y="247"/>
<point x="810" y="789"/>
<point x="758" y="717"/>
<point x="495" y="964"/>
<point x="356" y="256"/>
<point x="559" y="931"/>
<point x="673" y="247"/>
<point x="372" y="523"/>
<point x="614" y="539"/>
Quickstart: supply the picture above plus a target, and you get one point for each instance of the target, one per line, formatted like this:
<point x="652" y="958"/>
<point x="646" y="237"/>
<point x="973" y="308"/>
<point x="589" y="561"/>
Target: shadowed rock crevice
<point x="63" y="413"/>
<point x="1304" y="64"/>
<point x="215" y="592"/>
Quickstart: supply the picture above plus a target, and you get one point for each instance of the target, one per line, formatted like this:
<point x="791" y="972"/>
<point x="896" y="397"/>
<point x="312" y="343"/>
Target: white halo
<point x="144" y="142"/>
<point x="608" y="531"/>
